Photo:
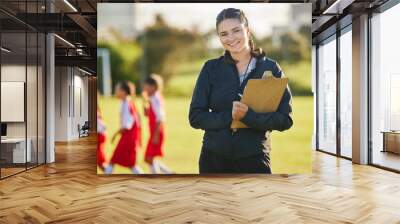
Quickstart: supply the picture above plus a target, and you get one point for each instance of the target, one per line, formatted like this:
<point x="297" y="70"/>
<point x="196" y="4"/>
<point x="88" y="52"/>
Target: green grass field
<point x="290" y="150"/>
<point x="183" y="83"/>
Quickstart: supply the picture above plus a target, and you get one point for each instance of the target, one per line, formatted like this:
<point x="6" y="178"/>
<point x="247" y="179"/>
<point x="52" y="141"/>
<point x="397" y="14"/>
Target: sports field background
<point x="291" y="150"/>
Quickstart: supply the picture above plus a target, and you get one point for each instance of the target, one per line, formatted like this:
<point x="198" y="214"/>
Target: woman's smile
<point x="234" y="44"/>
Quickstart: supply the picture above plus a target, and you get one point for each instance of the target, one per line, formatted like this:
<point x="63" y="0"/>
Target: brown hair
<point x="128" y="87"/>
<point x="232" y="13"/>
<point x="155" y="80"/>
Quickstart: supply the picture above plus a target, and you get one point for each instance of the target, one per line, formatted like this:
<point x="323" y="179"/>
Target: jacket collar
<point x="227" y="58"/>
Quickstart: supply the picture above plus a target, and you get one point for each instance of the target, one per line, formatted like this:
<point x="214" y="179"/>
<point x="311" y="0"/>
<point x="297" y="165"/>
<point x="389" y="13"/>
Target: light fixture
<point x="333" y="9"/>
<point x="64" y="40"/>
<point x="79" y="51"/>
<point x="84" y="71"/>
<point x="5" y="50"/>
<point x="70" y="5"/>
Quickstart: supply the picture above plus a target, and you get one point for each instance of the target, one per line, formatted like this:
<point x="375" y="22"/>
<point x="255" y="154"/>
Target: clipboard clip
<point x="233" y="131"/>
<point x="266" y="74"/>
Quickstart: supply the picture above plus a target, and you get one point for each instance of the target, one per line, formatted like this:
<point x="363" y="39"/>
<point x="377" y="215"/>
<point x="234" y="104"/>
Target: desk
<point x="391" y="141"/>
<point x="13" y="150"/>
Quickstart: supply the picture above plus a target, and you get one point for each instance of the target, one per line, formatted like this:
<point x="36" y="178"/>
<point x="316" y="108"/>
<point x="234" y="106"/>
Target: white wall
<point x="71" y="94"/>
<point x="12" y="73"/>
<point x="33" y="126"/>
<point x="61" y="103"/>
<point x="80" y="96"/>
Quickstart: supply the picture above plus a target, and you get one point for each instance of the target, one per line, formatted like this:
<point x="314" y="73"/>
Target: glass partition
<point x="385" y="89"/>
<point x="31" y="97"/>
<point x="13" y="103"/>
<point x="327" y="95"/>
<point x="22" y="77"/>
<point x="346" y="92"/>
<point x="41" y="96"/>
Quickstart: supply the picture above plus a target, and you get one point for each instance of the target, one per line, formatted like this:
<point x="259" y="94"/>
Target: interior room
<point x="45" y="99"/>
<point x="22" y="99"/>
<point x="336" y="82"/>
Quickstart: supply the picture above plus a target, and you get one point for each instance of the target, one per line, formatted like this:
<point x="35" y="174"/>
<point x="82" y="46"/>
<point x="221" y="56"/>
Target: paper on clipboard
<point x="262" y="95"/>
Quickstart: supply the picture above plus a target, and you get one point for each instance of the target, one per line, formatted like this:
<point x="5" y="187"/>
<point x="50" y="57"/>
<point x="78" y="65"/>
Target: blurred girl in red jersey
<point x="130" y="140"/>
<point x="154" y="110"/>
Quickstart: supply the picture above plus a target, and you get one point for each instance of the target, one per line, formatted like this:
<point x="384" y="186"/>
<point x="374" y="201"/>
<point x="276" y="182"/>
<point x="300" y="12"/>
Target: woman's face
<point x="233" y="35"/>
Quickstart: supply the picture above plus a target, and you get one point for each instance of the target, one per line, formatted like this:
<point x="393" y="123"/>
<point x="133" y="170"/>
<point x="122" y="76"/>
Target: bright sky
<point x="262" y="16"/>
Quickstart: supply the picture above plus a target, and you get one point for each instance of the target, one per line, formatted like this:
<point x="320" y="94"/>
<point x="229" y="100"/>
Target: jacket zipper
<point x="238" y="85"/>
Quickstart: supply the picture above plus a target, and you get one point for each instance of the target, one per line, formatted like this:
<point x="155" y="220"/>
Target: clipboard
<point x="262" y="95"/>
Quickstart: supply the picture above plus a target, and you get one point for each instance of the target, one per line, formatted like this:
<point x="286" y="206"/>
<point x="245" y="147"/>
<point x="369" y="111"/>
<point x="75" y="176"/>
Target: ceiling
<point x="74" y="22"/>
<point x="330" y="15"/>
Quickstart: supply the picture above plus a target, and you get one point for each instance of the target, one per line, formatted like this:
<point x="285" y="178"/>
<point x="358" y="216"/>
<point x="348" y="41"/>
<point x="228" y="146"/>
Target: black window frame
<point x="338" y="29"/>
<point x="30" y="29"/>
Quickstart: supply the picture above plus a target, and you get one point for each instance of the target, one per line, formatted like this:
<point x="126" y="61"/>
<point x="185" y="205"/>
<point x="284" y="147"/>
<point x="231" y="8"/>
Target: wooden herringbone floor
<point x="69" y="191"/>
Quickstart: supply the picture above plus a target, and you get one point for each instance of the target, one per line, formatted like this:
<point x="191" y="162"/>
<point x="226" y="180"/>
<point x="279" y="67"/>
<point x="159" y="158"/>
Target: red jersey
<point x="156" y="113"/>
<point x="125" y="152"/>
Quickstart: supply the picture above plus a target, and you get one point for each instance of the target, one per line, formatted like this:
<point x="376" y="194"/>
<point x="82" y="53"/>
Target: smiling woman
<point x="215" y="103"/>
<point x="234" y="33"/>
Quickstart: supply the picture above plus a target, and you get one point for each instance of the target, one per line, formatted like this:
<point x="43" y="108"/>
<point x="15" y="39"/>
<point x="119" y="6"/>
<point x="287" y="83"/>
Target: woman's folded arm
<point x="201" y="119"/>
<point x="200" y="116"/>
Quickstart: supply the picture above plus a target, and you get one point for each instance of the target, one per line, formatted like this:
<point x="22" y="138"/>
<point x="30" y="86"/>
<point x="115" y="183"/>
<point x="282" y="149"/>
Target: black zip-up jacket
<point x="217" y="86"/>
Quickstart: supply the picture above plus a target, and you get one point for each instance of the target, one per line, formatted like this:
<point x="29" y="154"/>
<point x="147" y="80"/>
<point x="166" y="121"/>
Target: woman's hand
<point x="239" y="110"/>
